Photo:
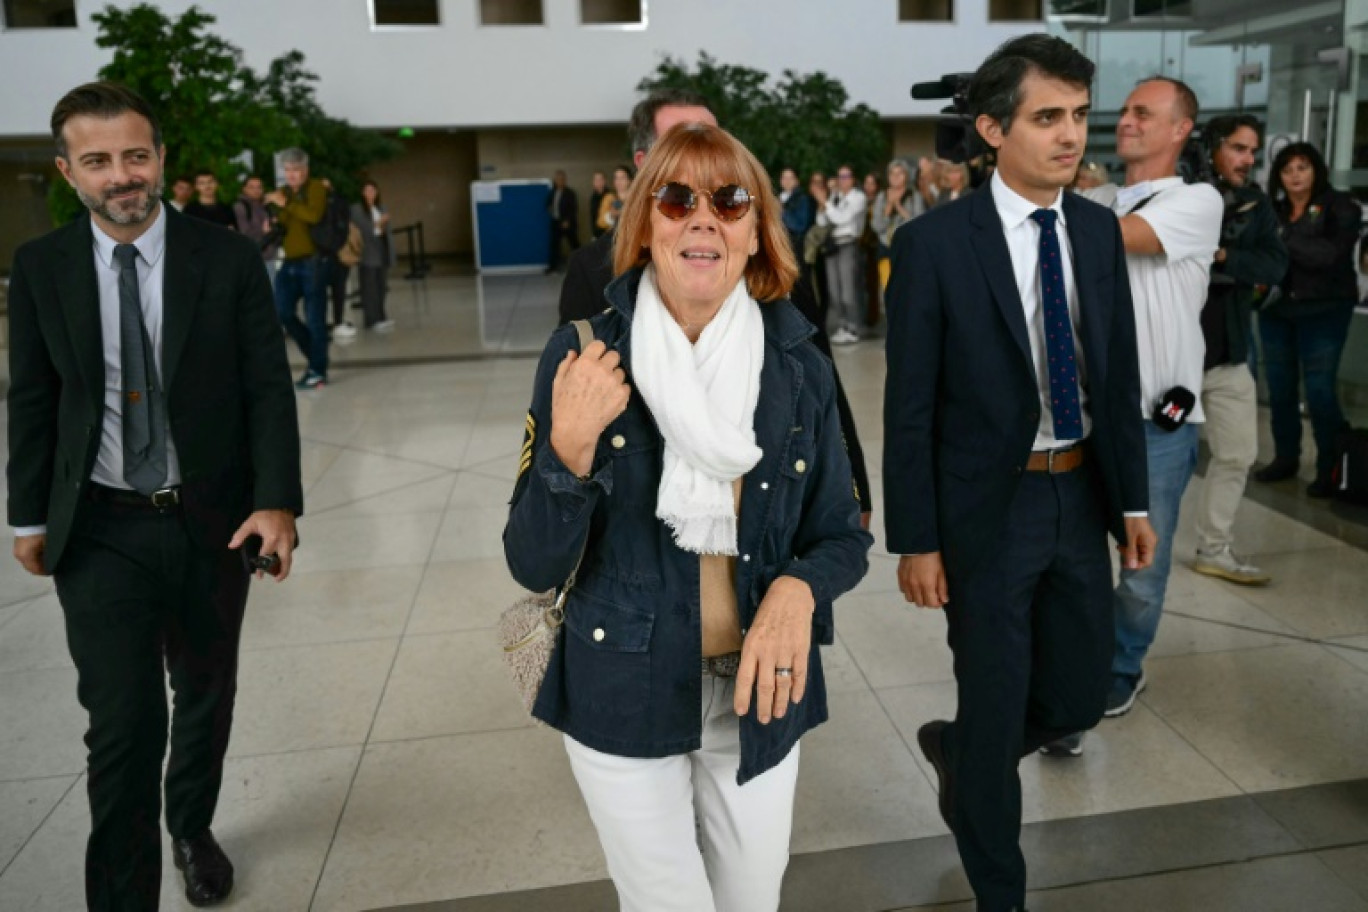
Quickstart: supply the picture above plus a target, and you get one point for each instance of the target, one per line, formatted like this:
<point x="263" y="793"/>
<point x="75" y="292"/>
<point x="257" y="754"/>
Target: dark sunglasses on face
<point x="676" y="201"/>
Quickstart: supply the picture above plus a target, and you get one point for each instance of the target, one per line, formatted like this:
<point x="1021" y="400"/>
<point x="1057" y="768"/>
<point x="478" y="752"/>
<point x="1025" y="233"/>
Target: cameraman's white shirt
<point x="845" y="212"/>
<point x="1171" y="288"/>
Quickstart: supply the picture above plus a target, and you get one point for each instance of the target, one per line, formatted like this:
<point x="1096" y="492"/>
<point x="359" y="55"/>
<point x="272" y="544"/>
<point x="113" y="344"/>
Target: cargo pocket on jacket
<point x="607" y="655"/>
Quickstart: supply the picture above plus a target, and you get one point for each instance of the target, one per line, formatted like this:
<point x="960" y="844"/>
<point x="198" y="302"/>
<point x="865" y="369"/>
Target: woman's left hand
<point x="779" y="638"/>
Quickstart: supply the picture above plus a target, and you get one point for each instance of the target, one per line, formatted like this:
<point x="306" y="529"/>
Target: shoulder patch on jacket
<point x="529" y="438"/>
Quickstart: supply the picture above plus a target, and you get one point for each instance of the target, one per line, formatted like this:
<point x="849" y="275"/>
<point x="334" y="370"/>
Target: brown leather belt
<point x="1056" y="462"/>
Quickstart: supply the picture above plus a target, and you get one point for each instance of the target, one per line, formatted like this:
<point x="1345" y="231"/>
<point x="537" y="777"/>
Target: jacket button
<point x="764" y="485"/>
<point x="619" y="441"/>
<point x="800" y="466"/>
<point x="599" y="635"/>
<point x="745" y="558"/>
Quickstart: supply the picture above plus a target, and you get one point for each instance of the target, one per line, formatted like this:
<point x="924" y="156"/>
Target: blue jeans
<point x="1140" y="593"/>
<point x="1309" y="345"/>
<point x="302" y="278"/>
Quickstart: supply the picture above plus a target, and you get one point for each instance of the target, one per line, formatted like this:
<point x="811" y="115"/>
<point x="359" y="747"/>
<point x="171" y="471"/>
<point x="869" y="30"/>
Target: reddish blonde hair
<point x="714" y="158"/>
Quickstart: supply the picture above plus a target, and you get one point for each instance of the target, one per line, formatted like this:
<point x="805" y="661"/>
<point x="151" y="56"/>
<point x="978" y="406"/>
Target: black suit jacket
<point x="587" y="275"/>
<point x="961" y="407"/>
<point x="568" y="210"/>
<point x="230" y="401"/>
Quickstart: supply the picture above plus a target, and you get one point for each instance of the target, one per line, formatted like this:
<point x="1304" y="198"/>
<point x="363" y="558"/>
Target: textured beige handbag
<point x="529" y="628"/>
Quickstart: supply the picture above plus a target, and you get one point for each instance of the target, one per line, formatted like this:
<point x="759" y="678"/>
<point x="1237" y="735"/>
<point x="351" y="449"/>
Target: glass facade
<point x="1294" y="65"/>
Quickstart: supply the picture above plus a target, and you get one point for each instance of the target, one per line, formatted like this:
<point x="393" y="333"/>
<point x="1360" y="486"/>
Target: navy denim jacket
<point x="625" y="677"/>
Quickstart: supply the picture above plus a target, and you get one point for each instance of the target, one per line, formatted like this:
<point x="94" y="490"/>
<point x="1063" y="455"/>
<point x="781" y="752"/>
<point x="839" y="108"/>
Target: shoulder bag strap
<point x="586" y="335"/>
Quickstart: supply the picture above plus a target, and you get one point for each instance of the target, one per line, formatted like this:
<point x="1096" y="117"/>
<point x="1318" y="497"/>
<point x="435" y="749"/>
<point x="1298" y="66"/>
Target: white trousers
<point x="679" y="834"/>
<point x="1229" y="399"/>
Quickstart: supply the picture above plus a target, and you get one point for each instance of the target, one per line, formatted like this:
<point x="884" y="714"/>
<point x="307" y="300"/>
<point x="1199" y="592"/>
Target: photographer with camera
<point x="301" y="205"/>
<point x="1172" y="230"/>
<point x="1251" y="258"/>
<point x="256" y="222"/>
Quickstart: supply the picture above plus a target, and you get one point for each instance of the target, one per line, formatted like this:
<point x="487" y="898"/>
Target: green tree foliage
<point x="213" y="108"/>
<point x="803" y="121"/>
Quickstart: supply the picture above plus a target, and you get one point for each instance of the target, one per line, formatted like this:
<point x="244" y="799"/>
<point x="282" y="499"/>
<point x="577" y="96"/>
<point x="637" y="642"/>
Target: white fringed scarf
<point x="703" y="399"/>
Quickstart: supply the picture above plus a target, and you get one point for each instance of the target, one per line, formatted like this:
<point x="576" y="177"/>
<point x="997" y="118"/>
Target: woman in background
<point x="377" y="255"/>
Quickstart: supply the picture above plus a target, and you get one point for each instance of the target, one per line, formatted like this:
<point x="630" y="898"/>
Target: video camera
<point x="956" y="138"/>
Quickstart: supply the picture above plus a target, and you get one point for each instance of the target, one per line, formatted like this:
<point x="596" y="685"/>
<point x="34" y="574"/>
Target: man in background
<point x="1250" y="259"/>
<point x="563" y="207"/>
<point x="206" y="204"/>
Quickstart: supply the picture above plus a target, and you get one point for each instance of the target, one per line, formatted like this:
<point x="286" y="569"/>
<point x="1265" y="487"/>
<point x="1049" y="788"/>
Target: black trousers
<point x="140" y="601"/>
<point x="1032" y="635"/>
<point x="337" y="274"/>
<point x="558" y="232"/>
<point x="374" y="282"/>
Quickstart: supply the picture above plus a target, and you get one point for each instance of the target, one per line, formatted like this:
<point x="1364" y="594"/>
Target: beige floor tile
<point x="894" y="643"/>
<point x="448" y="684"/>
<point x="349" y="543"/>
<point x="842" y="674"/>
<point x="1133" y="762"/>
<point x="425" y="496"/>
<point x="332" y="428"/>
<point x="356" y="475"/>
<point x="1268" y="718"/>
<point x="275" y="820"/>
<point x="433" y="440"/>
<point x="858" y="783"/>
<point x="308" y="697"/>
<point x="315" y="459"/>
<point x="471" y="534"/>
<point x="1353" y="650"/>
<point x="17" y="584"/>
<point x="472" y="490"/>
<point x="449" y="817"/>
<point x="1320" y="593"/>
<point x="463" y="595"/>
<point x="1258" y="531"/>
<point x="1205" y="615"/>
<point x="496" y="438"/>
<point x="35" y="637"/>
<point x="23" y="807"/>
<point x="1351" y="864"/>
<point x="41" y="725"/>
<point x="330" y="606"/>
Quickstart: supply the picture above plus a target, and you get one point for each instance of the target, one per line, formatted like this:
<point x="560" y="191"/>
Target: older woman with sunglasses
<point x="693" y="453"/>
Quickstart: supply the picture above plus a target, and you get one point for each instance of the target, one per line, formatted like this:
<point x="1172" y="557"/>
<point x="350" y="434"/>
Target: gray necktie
<point x="144" y="426"/>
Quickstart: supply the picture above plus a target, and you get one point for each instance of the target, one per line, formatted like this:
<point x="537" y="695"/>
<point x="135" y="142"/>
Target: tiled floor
<point x="381" y="759"/>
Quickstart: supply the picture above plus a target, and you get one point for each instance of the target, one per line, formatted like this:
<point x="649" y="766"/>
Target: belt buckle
<point x="165" y="497"/>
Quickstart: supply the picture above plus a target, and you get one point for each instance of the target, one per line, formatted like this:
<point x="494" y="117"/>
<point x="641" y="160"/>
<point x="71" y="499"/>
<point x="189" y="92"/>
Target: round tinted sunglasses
<point x="676" y="201"/>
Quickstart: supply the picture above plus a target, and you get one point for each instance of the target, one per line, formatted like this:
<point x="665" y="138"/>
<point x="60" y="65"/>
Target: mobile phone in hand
<point x="255" y="561"/>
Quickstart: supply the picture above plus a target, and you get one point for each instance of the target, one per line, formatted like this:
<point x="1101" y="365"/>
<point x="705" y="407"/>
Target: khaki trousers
<point x="1229" y="399"/>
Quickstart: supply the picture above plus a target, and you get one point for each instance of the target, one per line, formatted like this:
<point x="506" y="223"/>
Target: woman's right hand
<point x="589" y="391"/>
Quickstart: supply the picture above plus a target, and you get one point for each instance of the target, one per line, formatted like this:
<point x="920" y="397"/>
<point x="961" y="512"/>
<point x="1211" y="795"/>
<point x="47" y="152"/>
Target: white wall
<point x="461" y="74"/>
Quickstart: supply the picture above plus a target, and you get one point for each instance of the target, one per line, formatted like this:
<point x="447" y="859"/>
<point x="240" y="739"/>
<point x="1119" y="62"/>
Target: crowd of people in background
<point x="311" y="239"/>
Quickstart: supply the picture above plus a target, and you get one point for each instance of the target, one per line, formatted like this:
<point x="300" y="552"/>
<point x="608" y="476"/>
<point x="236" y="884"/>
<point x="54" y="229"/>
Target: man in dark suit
<point x="1013" y="445"/>
<point x="563" y="208"/>
<point x="590" y="269"/>
<point x="153" y="445"/>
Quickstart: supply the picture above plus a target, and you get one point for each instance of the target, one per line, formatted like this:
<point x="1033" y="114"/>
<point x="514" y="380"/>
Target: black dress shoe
<point x="1321" y="488"/>
<point x="208" y="872"/>
<point x="931" y="740"/>
<point x="1277" y="470"/>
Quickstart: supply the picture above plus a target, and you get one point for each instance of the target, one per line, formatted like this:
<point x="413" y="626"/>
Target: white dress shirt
<point x="151" y="246"/>
<point x="1022" y="234"/>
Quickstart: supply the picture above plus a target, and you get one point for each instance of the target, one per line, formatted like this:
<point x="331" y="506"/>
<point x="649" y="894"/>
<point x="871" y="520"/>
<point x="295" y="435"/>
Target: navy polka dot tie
<point x="1059" y="341"/>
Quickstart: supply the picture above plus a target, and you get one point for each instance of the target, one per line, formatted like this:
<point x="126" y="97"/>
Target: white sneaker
<point x="1223" y="564"/>
<point x="844" y="336"/>
<point x="384" y="326"/>
<point x="343" y="331"/>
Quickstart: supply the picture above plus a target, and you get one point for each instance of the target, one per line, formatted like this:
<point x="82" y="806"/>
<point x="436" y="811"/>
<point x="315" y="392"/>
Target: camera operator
<point x="1251" y="258"/>
<point x="1171" y="230"/>
<point x="256" y="221"/>
<point x="300" y="205"/>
